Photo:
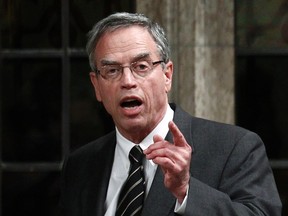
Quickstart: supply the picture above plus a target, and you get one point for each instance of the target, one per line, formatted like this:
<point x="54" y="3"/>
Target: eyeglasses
<point x="140" y="68"/>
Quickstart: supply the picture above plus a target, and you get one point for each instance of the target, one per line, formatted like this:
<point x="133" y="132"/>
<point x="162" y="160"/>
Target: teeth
<point x="129" y="101"/>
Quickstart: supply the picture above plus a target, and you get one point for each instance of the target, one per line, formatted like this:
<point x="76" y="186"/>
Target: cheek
<point x="157" y="90"/>
<point x="108" y="105"/>
<point x="108" y="98"/>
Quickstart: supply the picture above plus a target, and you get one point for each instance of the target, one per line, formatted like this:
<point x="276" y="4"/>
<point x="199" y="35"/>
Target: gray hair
<point x="123" y="20"/>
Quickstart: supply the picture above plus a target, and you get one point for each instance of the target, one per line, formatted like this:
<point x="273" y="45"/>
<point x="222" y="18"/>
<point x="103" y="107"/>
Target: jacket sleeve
<point x="246" y="185"/>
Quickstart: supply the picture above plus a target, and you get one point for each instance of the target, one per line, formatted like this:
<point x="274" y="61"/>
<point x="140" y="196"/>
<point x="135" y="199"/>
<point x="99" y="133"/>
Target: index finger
<point x="178" y="137"/>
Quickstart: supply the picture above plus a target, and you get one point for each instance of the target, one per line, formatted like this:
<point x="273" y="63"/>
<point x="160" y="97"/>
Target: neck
<point x="137" y="134"/>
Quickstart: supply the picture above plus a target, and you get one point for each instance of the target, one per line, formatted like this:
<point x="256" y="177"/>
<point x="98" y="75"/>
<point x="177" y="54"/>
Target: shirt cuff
<point x="180" y="208"/>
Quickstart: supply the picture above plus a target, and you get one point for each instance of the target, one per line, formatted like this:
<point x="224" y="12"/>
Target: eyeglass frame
<point x="150" y="62"/>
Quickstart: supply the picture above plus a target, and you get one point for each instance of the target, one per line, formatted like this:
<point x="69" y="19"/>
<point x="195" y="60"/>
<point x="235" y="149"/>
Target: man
<point x="191" y="166"/>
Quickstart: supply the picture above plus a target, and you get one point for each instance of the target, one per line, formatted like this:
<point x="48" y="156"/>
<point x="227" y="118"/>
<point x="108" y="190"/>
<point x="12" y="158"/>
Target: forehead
<point x="124" y="43"/>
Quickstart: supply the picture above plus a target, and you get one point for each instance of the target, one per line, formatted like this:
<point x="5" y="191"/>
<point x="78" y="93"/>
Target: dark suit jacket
<point x="230" y="174"/>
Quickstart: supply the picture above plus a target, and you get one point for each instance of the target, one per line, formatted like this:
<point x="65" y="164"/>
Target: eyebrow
<point x="134" y="59"/>
<point x="141" y="56"/>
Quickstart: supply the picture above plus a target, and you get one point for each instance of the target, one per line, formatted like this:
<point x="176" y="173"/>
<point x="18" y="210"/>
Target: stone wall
<point x="201" y="34"/>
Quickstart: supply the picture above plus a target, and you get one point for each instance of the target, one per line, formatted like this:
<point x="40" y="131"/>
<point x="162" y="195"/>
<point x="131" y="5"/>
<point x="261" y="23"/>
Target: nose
<point x="128" y="80"/>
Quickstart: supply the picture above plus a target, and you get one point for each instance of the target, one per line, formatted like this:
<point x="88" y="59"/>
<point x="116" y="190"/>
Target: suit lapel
<point x="159" y="200"/>
<point x="183" y="122"/>
<point x="95" y="189"/>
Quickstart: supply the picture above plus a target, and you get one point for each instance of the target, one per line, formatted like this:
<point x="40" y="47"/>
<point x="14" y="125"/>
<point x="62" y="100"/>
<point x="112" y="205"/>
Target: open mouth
<point x="131" y="103"/>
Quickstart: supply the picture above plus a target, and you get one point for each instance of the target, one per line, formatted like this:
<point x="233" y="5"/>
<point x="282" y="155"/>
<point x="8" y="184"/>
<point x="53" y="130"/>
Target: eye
<point x="112" y="70"/>
<point x="141" y="66"/>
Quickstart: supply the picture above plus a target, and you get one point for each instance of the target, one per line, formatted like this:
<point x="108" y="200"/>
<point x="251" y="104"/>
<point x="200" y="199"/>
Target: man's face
<point x="136" y="104"/>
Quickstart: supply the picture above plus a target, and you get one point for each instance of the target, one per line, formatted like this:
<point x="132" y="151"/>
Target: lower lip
<point x="131" y="111"/>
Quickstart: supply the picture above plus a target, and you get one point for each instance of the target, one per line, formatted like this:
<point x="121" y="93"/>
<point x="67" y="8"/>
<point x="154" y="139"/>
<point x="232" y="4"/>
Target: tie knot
<point x="136" y="154"/>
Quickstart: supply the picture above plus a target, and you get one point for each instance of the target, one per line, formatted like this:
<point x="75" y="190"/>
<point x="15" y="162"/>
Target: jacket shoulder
<point x="95" y="145"/>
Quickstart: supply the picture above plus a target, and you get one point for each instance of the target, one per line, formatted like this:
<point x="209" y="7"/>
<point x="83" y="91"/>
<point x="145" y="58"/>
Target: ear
<point x="95" y="81"/>
<point x="168" y="76"/>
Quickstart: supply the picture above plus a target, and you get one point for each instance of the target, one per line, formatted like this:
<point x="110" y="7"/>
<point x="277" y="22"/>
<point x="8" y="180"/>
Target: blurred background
<point x="48" y="107"/>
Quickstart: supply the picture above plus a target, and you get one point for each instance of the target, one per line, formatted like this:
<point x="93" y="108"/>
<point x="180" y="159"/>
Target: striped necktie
<point x="131" y="198"/>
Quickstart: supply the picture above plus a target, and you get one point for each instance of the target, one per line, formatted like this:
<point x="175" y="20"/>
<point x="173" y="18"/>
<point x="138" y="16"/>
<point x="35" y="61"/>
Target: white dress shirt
<point x="121" y="164"/>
